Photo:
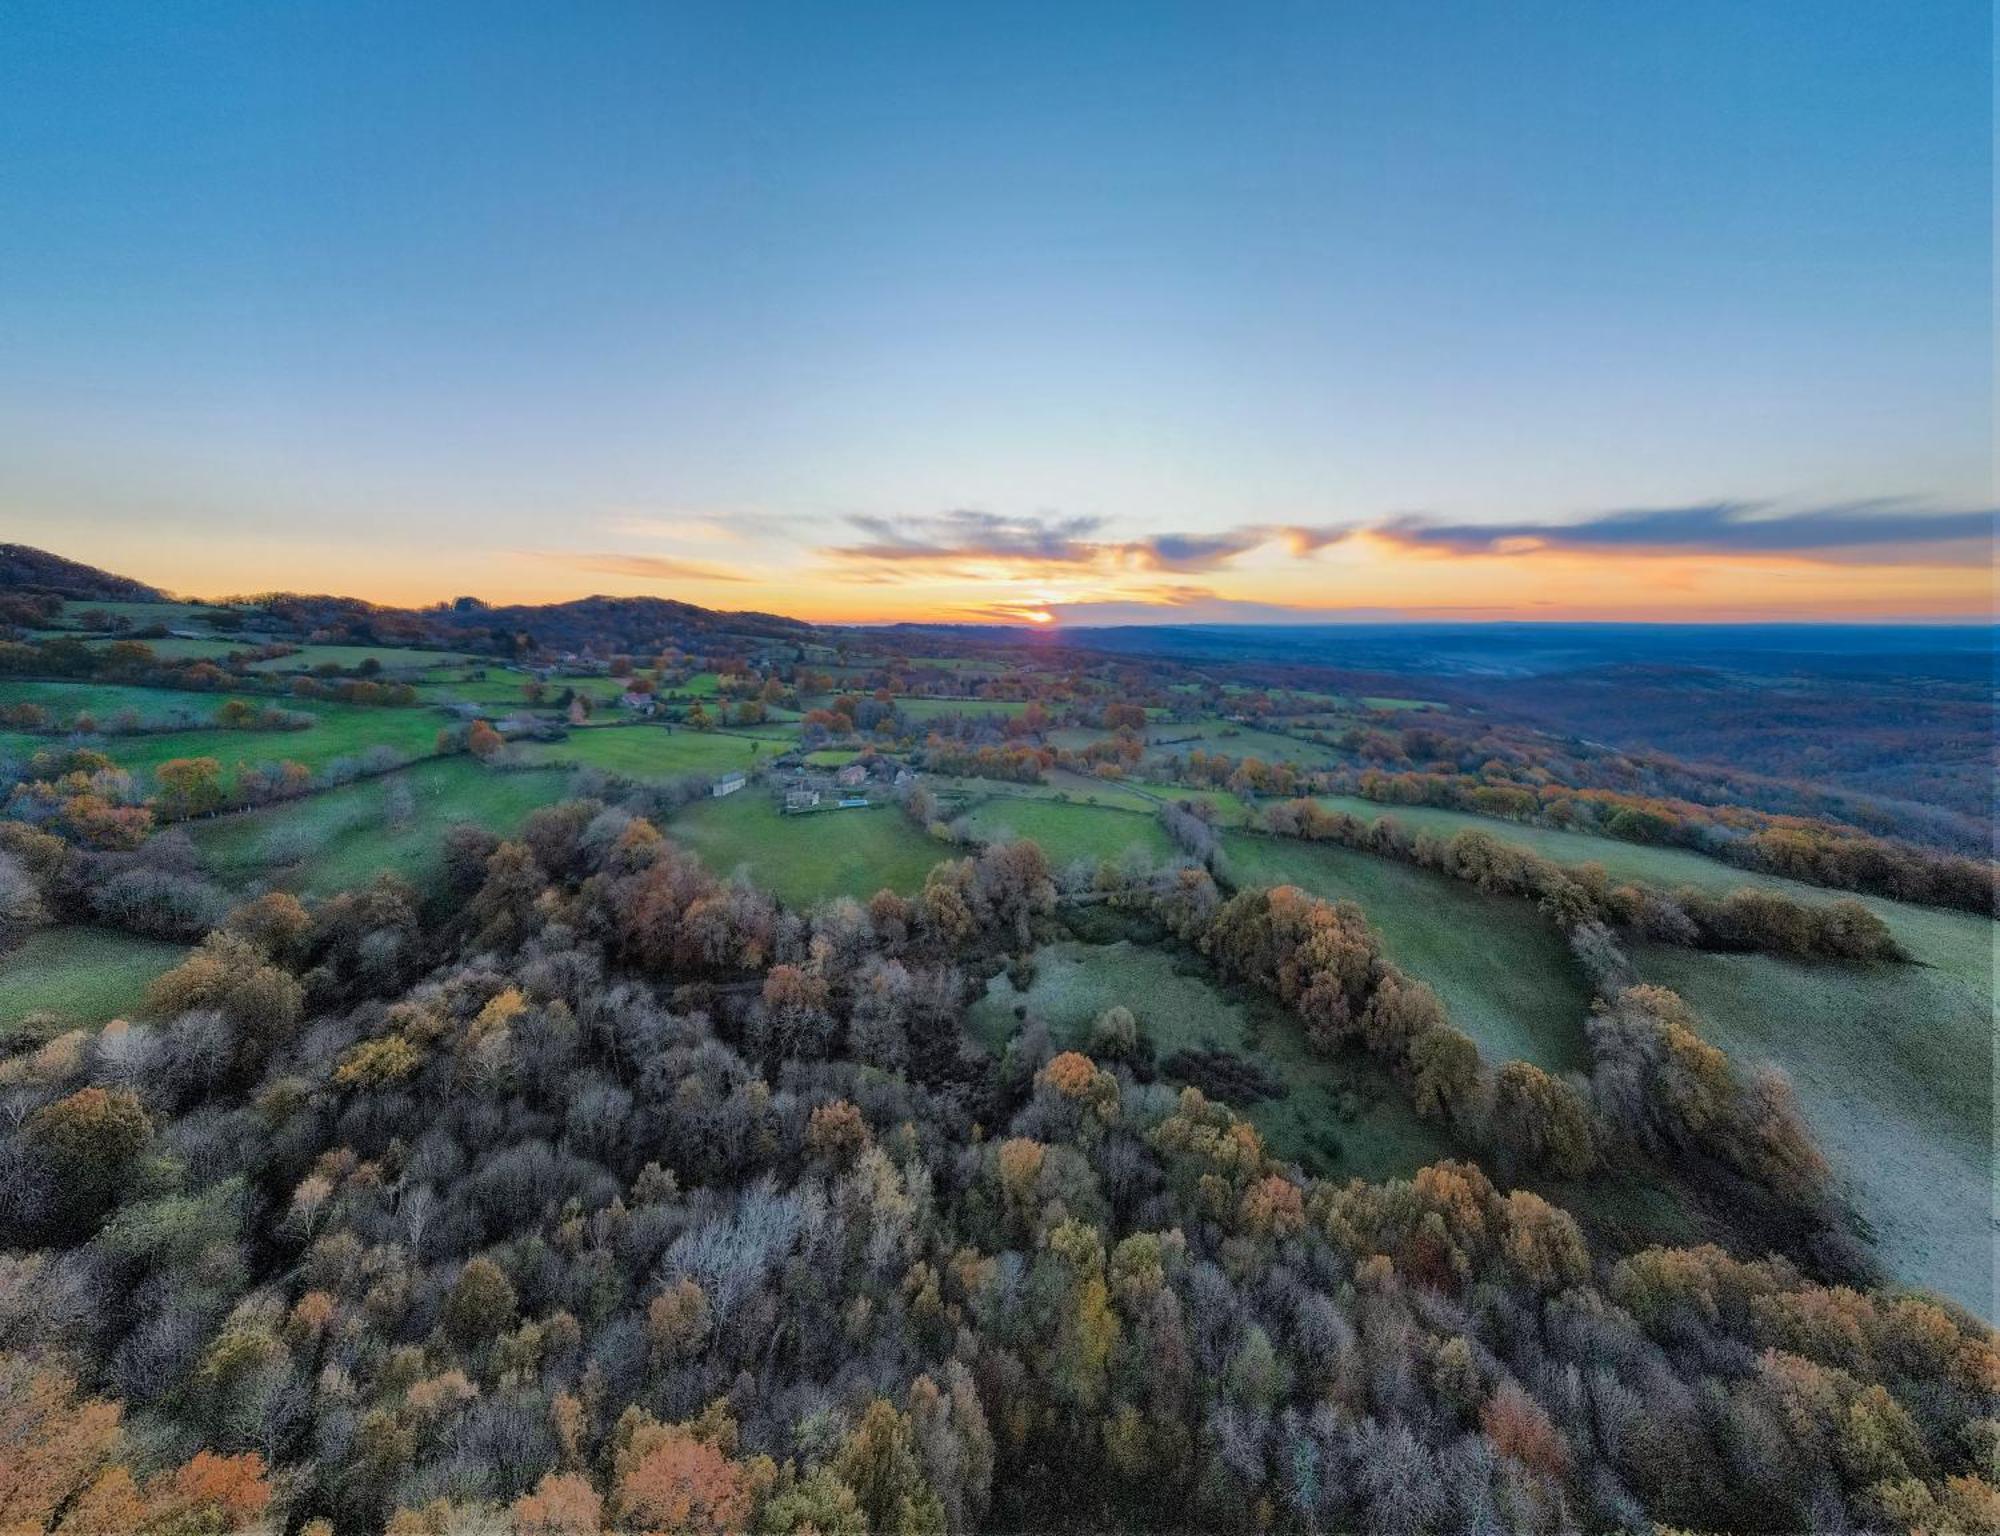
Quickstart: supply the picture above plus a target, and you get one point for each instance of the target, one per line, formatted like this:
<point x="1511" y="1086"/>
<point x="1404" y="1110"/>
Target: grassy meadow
<point x="1893" y="1068"/>
<point x="803" y="860"/>
<point x="342" y="837"/>
<point x="1342" y="1116"/>
<point x="648" y="752"/>
<point x="1504" y="975"/>
<point x="73" y="977"/>
<point x="1069" y="831"/>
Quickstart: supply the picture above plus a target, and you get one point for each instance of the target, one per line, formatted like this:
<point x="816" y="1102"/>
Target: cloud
<point x="963" y="535"/>
<point x="960" y="541"/>
<point x="1715" y="527"/>
<point x="647" y="567"/>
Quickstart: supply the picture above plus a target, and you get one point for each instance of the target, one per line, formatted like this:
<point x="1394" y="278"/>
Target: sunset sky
<point x="1077" y="313"/>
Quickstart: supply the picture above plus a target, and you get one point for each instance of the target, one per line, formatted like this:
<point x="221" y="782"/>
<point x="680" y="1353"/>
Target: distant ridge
<point x="26" y="569"/>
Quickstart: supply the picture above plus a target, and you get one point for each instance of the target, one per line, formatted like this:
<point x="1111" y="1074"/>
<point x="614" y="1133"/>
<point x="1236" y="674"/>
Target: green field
<point x="64" y="701"/>
<point x="1505" y="976"/>
<point x="931" y="709"/>
<point x="341" y="730"/>
<point x="806" y="859"/>
<point x="1893" y="1068"/>
<point x="179" y="648"/>
<point x="1343" y="1117"/>
<point x="1058" y="784"/>
<point x="76" y="977"/>
<point x="1962" y="943"/>
<point x="1236" y="741"/>
<point x="499" y="693"/>
<point x="173" y="615"/>
<point x="342" y="837"/>
<point x="1068" y="832"/>
<point x="393" y="658"/>
<point x="648" y="752"/>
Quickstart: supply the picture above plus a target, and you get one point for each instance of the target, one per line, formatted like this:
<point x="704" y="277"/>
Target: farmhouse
<point x="728" y="784"/>
<point x="801" y="799"/>
<point x="851" y="775"/>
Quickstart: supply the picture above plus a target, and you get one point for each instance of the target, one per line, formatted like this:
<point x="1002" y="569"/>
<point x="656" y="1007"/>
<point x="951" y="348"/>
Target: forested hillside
<point x="758" y="1078"/>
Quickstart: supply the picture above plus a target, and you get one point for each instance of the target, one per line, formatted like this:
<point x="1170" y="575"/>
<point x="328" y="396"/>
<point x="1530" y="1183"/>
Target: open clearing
<point x="1893" y="1068"/>
<point x="78" y="977"/>
<point x="1178" y="739"/>
<point x="1342" y="1117"/>
<point x="1961" y="943"/>
<point x="343" y="837"/>
<point x="648" y="752"/>
<point x="392" y="658"/>
<point x="1069" y="831"/>
<point x="803" y="860"/>
<point x="1504" y="975"/>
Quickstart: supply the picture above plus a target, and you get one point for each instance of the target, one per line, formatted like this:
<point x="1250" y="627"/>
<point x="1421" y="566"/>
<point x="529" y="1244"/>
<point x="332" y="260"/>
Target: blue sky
<point x="412" y="299"/>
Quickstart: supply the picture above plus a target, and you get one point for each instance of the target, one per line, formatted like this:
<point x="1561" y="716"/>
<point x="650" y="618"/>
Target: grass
<point x="64" y="701"/>
<point x="803" y="860"/>
<point x="1400" y="704"/>
<point x="500" y="693"/>
<point x="393" y="658"/>
<point x="141" y="614"/>
<point x="1960" y="943"/>
<point x="648" y="752"/>
<point x="1068" y="832"/>
<point x="77" y="977"/>
<point x="1343" y="1116"/>
<point x="340" y="730"/>
<point x="1504" y="975"/>
<point x="931" y="709"/>
<point x="179" y="648"/>
<point x="832" y="757"/>
<point x="340" y="838"/>
<point x="1238" y="741"/>
<point x="1892" y="1067"/>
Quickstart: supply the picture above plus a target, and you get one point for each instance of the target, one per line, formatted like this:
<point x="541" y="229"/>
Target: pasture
<point x="393" y="659"/>
<point x="1893" y="1069"/>
<point x="1505" y="976"/>
<point x="1342" y="1116"/>
<point x="1178" y="739"/>
<point x="1961" y="943"/>
<point x="803" y="860"/>
<point x="73" y="977"/>
<point x="342" y="837"/>
<point x="1069" y="831"/>
<point x="648" y="753"/>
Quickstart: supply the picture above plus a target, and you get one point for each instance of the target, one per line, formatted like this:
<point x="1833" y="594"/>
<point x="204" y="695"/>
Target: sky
<point x="1068" y="313"/>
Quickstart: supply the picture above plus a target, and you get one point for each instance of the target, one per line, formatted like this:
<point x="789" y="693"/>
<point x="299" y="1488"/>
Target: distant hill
<point x="602" y="625"/>
<point x="24" y="569"/>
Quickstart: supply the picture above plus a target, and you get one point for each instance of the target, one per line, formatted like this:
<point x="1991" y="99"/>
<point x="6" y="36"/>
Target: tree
<point x="56" y="1442"/>
<point x="879" y="1462"/>
<point x="562" y="1504"/>
<point x="230" y="974"/>
<point x="91" y="1138"/>
<point x="1543" y="1121"/>
<point x="480" y="1303"/>
<point x="1445" y="1065"/>
<point x="189" y="786"/>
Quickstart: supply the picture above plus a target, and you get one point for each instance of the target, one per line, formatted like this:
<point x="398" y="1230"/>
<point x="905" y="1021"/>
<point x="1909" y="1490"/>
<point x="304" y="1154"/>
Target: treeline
<point x="1817" y="852"/>
<point x="68" y="658"/>
<point x="621" y="1199"/>
<point x="91" y="800"/>
<point x="1750" y="918"/>
<point x="234" y="715"/>
<point x="1650" y="1066"/>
